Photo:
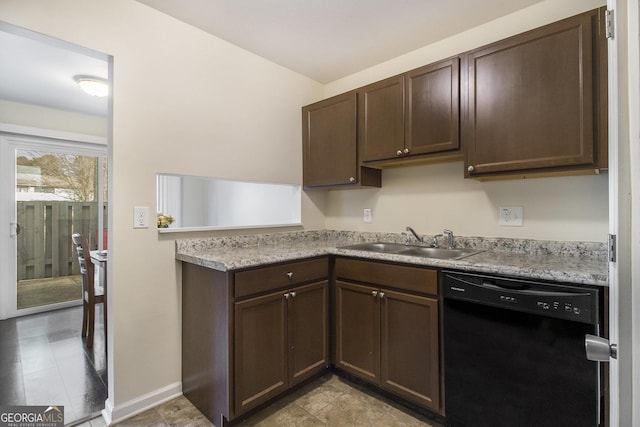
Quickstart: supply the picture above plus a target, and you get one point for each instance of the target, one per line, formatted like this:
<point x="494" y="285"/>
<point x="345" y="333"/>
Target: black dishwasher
<point x="514" y="352"/>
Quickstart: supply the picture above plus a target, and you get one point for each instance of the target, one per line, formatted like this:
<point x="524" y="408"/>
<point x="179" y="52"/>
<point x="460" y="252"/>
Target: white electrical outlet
<point x="141" y="217"/>
<point x="367" y="215"/>
<point x="510" y="216"/>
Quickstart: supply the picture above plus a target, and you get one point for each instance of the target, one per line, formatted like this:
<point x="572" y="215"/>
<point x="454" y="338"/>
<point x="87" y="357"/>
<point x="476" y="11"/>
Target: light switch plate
<point x="141" y="217"/>
<point x="510" y="216"/>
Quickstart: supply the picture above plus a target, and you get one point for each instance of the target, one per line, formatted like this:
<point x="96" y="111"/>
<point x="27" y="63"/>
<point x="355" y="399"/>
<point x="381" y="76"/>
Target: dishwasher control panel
<point x="570" y="302"/>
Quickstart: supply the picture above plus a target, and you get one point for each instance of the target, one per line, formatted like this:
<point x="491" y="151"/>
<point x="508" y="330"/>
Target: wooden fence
<point x="44" y="244"/>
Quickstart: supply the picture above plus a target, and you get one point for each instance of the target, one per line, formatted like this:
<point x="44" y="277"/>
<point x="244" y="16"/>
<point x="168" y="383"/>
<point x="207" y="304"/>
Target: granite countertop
<point x="571" y="262"/>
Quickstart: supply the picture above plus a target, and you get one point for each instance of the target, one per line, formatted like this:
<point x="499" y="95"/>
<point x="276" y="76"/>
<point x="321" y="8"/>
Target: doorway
<point x="58" y="188"/>
<point x="51" y="133"/>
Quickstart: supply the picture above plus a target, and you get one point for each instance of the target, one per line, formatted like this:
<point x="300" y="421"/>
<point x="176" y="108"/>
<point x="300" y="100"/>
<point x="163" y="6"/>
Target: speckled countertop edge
<point x="572" y="262"/>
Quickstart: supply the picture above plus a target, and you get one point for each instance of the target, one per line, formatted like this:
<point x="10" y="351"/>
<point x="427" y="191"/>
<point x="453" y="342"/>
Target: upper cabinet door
<point x="433" y="108"/>
<point x="533" y="99"/>
<point x="330" y="141"/>
<point x="382" y="119"/>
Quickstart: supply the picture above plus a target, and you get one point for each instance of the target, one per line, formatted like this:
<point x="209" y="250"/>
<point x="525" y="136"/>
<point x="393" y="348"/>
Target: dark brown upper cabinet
<point x="381" y="110"/>
<point x="416" y="113"/>
<point x="538" y="101"/>
<point x="330" y="145"/>
<point x="432" y="124"/>
<point x="532" y="104"/>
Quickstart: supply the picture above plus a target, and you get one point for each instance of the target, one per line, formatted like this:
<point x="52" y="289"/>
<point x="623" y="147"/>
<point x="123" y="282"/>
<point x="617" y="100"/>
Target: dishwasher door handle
<point x="526" y="291"/>
<point x="599" y="349"/>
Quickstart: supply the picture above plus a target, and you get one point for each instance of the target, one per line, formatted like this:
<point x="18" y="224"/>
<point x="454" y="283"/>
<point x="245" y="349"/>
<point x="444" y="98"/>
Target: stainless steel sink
<point x="440" y="253"/>
<point x="420" y="251"/>
<point x="390" y="248"/>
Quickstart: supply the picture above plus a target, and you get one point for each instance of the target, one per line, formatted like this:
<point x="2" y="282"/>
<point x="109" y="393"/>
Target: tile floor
<point x="328" y="401"/>
<point x="44" y="361"/>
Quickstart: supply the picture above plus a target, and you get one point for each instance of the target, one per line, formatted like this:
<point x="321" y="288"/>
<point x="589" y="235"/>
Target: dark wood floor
<point x="43" y="361"/>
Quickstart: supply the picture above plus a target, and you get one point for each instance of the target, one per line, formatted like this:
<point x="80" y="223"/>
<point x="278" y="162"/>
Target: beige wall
<point x="433" y="197"/>
<point x="183" y="102"/>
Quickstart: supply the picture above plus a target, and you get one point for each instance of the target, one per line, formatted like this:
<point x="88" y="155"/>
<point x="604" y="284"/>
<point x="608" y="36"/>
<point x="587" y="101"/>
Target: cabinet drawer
<point x="279" y="276"/>
<point x="414" y="279"/>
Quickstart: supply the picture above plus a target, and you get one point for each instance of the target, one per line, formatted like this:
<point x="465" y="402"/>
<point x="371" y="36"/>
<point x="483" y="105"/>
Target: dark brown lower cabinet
<point x="409" y="350"/>
<point x="249" y="335"/>
<point x="260" y="350"/>
<point x="358" y="330"/>
<point x="280" y="340"/>
<point x="386" y="336"/>
<point x="308" y="331"/>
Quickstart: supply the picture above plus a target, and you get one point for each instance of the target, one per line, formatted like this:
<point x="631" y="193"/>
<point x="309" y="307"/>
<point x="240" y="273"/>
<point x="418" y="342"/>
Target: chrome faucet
<point x="412" y="231"/>
<point x="449" y="235"/>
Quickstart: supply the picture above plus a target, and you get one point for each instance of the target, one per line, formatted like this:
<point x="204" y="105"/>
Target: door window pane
<point x="56" y="196"/>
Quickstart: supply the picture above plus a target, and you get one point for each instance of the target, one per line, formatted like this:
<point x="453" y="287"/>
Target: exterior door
<point x="51" y="190"/>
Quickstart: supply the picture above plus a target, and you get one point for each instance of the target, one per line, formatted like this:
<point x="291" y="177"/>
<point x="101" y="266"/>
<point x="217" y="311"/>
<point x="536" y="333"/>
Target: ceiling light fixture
<point x="94" y="86"/>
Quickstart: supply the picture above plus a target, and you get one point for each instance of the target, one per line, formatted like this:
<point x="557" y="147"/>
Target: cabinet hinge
<point x="609" y="23"/>
<point x="612" y="248"/>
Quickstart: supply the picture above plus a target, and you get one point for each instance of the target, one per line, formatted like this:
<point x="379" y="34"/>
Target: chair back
<point x="87" y="269"/>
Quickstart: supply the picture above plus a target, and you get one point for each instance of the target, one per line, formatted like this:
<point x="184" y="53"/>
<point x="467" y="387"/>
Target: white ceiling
<point x="39" y="70"/>
<point x="322" y="39"/>
<point x="330" y="39"/>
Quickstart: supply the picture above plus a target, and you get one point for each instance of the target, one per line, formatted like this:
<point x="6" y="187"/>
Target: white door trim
<point x="624" y="160"/>
<point x="633" y="90"/>
<point x="614" y="375"/>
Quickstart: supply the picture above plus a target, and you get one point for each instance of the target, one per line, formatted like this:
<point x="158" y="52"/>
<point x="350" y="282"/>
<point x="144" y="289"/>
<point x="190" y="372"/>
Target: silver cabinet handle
<point x="406" y="151"/>
<point x="286" y="296"/>
<point x="293" y="294"/>
<point x="352" y="179"/>
<point x="399" y="152"/>
<point x="289" y="274"/>
<point x="471" y="168"/>
<point x="374" y="293"/>
<point x="381" y="294"/>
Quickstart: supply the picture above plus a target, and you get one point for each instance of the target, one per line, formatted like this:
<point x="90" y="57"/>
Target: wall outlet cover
<point x="510" y="216"/>
<point x="141" y="217"/>
<point x="367" y="215"/>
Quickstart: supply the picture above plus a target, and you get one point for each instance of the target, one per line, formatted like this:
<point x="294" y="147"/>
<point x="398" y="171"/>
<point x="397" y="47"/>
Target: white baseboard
<point x="113" y="415"/>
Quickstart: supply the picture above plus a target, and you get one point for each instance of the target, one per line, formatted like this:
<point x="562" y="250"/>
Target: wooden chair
<point x="92" y="293"/>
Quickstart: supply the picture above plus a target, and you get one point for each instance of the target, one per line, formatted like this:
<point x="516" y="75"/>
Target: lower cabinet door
<point x="409" y="347"/>
<point x="358" y="330"/>
<point x="308" y="331"/>
<point x="260" y="369"/>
